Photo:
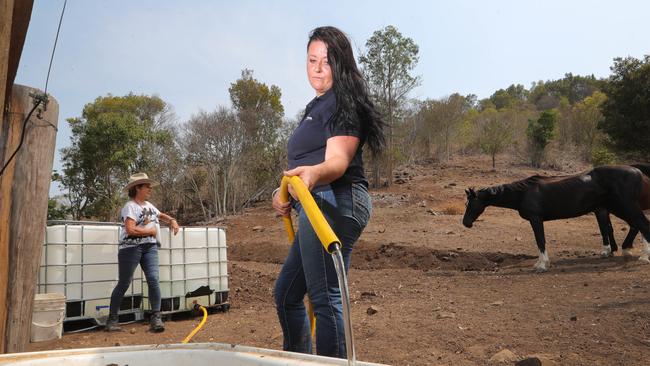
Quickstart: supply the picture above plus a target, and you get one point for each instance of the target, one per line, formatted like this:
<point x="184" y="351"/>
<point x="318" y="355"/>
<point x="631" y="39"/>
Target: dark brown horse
<point x="631" y="235"/>
<point x="621" y="190"/>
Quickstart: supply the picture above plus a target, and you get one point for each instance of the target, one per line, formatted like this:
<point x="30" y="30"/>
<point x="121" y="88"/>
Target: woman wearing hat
<point x="139" y="241"/>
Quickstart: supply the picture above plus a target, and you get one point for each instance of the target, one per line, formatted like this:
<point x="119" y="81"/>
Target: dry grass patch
<point x="453" y="208"/>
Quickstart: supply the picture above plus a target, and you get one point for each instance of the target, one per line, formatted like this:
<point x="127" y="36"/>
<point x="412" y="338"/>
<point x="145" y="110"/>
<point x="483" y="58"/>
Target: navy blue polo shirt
<point x="307" y="144"/>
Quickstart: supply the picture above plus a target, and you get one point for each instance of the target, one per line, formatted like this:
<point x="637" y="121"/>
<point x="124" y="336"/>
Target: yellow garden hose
<point x="316" y="219"/>
<point x="193" y="332"/>
<point x="323" y="230"/>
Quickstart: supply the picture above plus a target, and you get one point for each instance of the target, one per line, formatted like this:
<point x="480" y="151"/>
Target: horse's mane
<point x="524" y="184"/>
<point x="527" y="183"/>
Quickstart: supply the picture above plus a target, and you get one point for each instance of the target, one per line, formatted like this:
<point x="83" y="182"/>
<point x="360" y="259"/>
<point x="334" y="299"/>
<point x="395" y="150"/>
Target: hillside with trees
<point x="219" y="162"/>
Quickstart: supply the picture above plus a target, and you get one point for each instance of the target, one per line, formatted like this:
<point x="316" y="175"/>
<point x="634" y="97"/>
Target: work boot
<point x="113" y="323"/>
<point x="156" y="323"/>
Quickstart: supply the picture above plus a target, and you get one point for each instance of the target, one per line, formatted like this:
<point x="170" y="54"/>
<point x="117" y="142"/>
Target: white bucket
<point x="194" y="354"/>
<point x="47" y="319"/>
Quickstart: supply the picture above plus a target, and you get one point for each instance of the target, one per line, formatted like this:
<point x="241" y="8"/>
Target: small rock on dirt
<point x="497" y="303"/>
<point x="258" y="228"/>
<point x="573" y="318"/>
<point x="541" y="360"/>
<point x="505" y="355"/>
<point x="476" y="350"/>
<point x="530" y="361"/>
<point x="132" y="331"/>
<point x="445" y="315"/>
<point x="372" y="310"/>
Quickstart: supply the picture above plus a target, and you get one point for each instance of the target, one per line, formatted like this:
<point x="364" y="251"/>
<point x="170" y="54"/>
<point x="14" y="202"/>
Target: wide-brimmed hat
<point x="139" y="178"/>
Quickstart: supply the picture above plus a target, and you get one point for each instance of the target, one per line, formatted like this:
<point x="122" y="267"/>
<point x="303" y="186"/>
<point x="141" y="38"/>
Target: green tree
<point x="259" y="111"/>
<point x="451" y="113"/>
<point x="585" y="117"/>
<point x="547" y="95"/>
<point x="213" y="143"/>
<point x="438" y="125"/>
<point x="114" y="137"/>
<point x="494" y="133"/>
<point x="627" y="108"/>
<point x="540" y="133"/>
<point x="510" y="97"/>
<point x="387" y="65"/>
<point x="55" y="211"/>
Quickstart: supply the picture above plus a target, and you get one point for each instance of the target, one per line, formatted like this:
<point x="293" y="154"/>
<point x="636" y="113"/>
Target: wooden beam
<point x="32" y="172"/>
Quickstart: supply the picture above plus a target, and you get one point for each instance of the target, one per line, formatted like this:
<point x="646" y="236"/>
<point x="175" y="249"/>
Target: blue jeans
<point x="128" y="259"/>
<point x="309" y="269"/>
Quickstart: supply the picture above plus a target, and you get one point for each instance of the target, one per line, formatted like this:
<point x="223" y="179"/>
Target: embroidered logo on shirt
<point x="308" y="118"/>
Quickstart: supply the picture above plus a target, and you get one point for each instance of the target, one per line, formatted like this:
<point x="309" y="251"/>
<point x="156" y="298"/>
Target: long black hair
<point x="353" y="105"/>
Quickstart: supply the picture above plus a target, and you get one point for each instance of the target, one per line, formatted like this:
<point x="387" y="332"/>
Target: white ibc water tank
<point x="80" y="260"/>
<point x="192" y="262"/>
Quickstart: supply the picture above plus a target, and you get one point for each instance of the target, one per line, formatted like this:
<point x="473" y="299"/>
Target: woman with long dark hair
<point x="325" y="151"/>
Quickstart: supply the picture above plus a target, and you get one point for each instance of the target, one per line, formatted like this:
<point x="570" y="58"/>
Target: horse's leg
<point x="645" y="232"/>
<point x="638" y="221"/>
<point x="606" y="231"/>
<point x="645" y="252"/>
<point x="538" y="228"/>
<point x="629" y="241"/>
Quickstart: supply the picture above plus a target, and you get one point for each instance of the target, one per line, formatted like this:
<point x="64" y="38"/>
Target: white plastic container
<point x="197" y="354"/>
<point x="47" y="319"/>
<point x="194" y="259"/>
<point x="80" y="261"/>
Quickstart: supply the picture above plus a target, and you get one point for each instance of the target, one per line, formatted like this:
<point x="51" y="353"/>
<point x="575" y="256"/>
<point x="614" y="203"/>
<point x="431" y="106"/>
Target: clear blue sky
<point x="188" y="52"/>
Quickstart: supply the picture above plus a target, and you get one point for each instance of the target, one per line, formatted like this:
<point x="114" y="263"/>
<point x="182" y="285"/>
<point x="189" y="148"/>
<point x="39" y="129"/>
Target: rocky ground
<point x="427" y="291"/>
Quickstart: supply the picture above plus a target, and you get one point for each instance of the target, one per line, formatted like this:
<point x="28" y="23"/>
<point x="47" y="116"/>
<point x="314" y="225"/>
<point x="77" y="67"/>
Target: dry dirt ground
<point x="443" y="294"/>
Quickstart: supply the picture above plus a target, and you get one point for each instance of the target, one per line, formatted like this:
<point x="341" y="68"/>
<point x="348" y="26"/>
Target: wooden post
<point x="6" y="16"/>
<point x="25" y="190"/>
<point x="14" y="21"/>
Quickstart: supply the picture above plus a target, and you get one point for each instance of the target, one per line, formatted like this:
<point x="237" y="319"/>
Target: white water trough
<point x="197" y="354"/>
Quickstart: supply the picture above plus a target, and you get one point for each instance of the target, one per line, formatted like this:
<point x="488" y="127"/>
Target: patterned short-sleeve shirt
<point x="144" y="216"/>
